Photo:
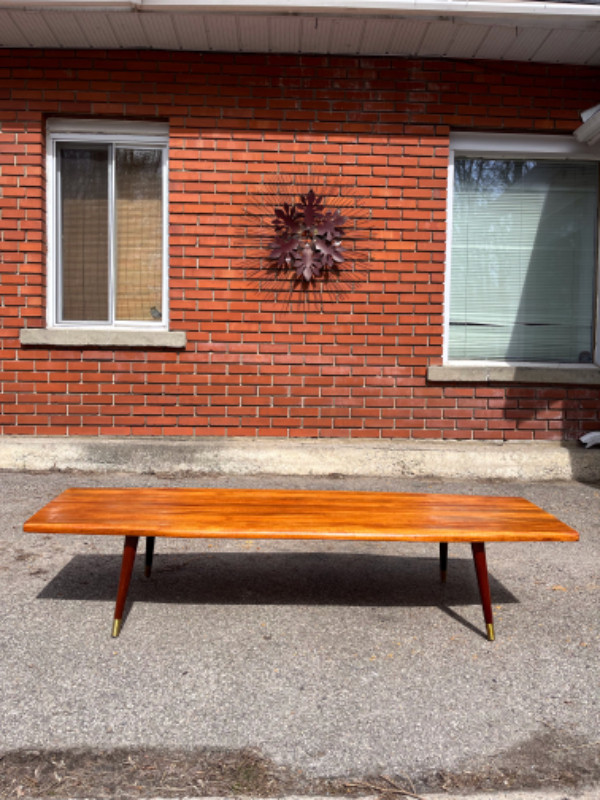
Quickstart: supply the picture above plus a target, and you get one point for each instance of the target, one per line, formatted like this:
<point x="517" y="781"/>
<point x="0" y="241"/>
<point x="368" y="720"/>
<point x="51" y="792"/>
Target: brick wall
<point x="356" y="367"/>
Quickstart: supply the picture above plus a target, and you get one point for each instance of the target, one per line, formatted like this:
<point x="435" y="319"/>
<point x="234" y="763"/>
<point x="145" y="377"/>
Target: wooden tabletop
<point x="283" y="514"/>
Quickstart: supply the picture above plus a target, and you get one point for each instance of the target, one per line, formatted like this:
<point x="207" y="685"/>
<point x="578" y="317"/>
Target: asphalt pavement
<point x="335" y="664"/>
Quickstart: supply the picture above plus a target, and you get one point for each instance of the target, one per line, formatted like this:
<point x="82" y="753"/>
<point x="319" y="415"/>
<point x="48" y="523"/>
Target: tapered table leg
<point x="443" y="561"/>
<point x="129" y="550"/>
<point x="149" y="555"/>
<point x="481" y="570"/>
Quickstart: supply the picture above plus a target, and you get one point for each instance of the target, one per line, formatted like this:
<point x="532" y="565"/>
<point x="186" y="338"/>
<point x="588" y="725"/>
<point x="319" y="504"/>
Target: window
<point x="107" y="224"/>
<point x="522" y="250"/>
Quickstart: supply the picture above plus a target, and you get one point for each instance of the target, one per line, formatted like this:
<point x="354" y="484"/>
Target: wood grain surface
<point x="293" y="514"/>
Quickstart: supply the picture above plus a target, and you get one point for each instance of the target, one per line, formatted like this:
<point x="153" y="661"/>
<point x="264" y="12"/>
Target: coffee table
<point x="292" y="514"/>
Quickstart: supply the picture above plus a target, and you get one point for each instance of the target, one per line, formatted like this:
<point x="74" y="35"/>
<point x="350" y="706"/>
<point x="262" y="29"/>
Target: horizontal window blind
<point x="523" y="260"/>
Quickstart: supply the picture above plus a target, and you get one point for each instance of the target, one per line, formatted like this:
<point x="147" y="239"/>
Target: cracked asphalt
<point x="330" y="662"/>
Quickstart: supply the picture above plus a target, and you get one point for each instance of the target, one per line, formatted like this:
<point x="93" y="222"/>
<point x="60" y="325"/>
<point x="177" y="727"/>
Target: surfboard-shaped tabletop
<point x="297" y="514"/>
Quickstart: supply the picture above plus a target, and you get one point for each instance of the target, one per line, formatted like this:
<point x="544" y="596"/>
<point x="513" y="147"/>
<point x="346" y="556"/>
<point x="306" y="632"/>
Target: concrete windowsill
<point x="455" y="373"/>
<point x="86" y="337"/>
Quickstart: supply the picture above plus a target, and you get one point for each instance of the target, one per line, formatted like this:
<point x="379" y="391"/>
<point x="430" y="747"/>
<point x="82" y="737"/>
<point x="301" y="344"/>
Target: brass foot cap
<point x="490" y="632"/>
<point x="116" y="629"/>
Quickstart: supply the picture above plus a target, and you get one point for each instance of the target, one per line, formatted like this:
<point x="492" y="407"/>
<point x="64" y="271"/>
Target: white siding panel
<point x="10" y="34"/>
<point x="377" y="36"/>
<point x="593" y="49"/>
<point x="66" y="29"/>
<point x="316" y="35"/>
<point x="540" y="38"/>
<point x="129" y="32"/>
<point x="33" y="24"/>
<point x="408" y="37"/>
<point x="100" y="32"/>
<point x="191" y="32"/>
<point x="222" y="33"/>
<point x="346" y="35"/>
<point x="160" y="31"/>
<point x="437" y="39"/>
<point x="527" y="42"/>
<point x="587" y="47"/>
<point x="558" y="45"/>
<point x="286" y="33"/>
<point x="254" y="33"/>
<point x="467" y="40"/>
<point x="497" y="42"/>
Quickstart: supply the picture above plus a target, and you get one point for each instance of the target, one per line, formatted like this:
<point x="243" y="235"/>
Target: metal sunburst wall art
<point x="305" y="244"/>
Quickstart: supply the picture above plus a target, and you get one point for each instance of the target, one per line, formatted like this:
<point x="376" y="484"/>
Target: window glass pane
<point x="523" y="260"/>
<point x="84" y="247"/>
<point x="139" y="234"/>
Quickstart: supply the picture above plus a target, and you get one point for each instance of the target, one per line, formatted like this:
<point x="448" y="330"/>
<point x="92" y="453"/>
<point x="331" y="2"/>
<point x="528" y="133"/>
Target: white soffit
<point x="286" y="33"/>
<point x="467" y="41"/>
<point x="527" y="30"/>
<point x="10" y="33"/>
<point x="556" y="45"/>
<point x="127" y="28"/>
<point x="316" y="35"/>
<point x="254" y="30"/>
<point x="101" y="32"/>
<point x="223" y="33"/>
<point x="408" y="36"/>
<point x="497" y="42"/>
<point x="378" y="33"/>
<point x="526" y="42"/>
<point x="191" y="32"/>
<point x="34" y="29"/>
<point x="438" y="38"/>
<point x="159" y="29"/>
<point x="346" y="35"/>
<point x="66" y="28"/>
<point x="587" y="46"/>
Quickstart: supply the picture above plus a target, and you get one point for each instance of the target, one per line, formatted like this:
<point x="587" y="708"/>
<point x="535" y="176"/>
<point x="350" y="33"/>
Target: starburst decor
<point x="303" y="243"/>
<point x="306" y="238"/>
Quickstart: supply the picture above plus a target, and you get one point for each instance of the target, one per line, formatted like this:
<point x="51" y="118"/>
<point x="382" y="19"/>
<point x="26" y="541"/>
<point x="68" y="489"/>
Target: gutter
<point x="502" y="11"/>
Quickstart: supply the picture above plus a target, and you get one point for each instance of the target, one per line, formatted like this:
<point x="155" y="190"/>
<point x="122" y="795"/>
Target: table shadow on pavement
<point x="279" y="579"/>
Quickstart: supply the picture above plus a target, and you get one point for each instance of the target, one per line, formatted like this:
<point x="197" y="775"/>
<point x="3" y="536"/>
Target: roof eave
<point x="506" y="11"/>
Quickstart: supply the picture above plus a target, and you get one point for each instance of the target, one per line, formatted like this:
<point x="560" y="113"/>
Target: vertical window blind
<point x="523" y="260"/>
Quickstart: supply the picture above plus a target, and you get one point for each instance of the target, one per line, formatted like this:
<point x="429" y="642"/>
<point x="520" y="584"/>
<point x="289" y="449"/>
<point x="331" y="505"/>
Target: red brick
<point x="356" y="368"/>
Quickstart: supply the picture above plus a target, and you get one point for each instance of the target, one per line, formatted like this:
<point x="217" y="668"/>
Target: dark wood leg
<point x="129" y="550"/>
<point x="149" y="555"/>
<point x="443" y="561"/>
<point x="481" y="570"/>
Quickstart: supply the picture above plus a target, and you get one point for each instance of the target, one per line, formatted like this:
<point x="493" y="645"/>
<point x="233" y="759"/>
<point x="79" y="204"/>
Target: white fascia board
<point x="479" y="7"/>
<point x="71" y="5"/>
<point x="503" y="12"/>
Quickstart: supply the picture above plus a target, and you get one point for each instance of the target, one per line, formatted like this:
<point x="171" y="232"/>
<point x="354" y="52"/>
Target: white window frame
<point x="514" y="146"/>
<point x="117" y="133"/>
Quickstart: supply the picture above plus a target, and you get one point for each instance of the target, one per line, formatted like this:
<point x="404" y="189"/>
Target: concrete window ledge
<point x="446" y="373"/>
<point x="74" y="337"/>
